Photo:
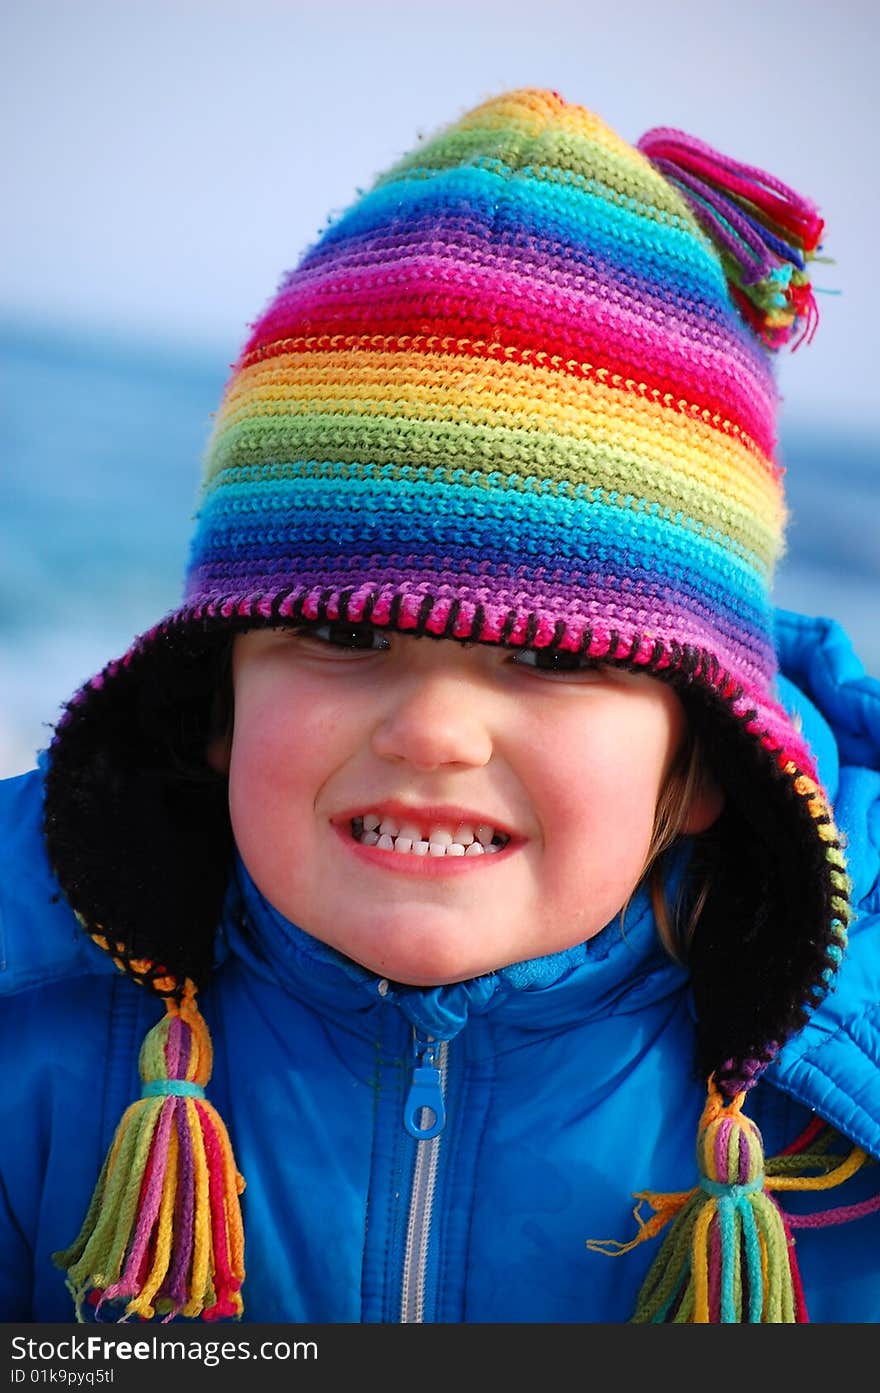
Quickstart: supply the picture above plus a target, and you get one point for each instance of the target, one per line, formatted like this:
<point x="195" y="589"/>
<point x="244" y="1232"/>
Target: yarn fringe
<point x="163" y="1233"/>
<point x="729" y="1255"/>
<point x="764" y="231"/>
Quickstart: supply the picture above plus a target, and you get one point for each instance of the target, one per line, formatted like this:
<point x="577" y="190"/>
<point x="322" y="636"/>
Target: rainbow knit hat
<point x="520" y="393"/>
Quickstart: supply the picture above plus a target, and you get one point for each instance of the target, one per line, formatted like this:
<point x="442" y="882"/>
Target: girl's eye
<point x="351" y="636"/>
<point x="553" y="660"/>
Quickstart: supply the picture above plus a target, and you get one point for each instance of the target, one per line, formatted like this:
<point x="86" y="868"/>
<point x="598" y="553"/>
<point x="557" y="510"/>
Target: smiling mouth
<point x="409" y="838"/>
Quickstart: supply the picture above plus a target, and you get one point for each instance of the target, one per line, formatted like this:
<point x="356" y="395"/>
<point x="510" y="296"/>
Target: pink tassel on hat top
<point x="764" y="231"/>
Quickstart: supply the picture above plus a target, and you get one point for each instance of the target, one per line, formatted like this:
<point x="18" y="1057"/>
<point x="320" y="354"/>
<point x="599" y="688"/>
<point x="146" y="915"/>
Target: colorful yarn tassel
<point x="764" y="231"/>
<point x="726" y="1259"/>
<point x="163" y="1232"/>
<point x="729" y="1257"/>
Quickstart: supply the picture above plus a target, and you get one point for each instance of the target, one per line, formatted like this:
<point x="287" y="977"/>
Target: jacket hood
<point x="138" y="833"/>
<point x="517" y="394"/>
<point x="833" y="1064"/>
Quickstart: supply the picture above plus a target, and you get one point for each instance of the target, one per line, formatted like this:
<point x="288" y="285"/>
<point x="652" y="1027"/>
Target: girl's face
<point x="471" y="744"/>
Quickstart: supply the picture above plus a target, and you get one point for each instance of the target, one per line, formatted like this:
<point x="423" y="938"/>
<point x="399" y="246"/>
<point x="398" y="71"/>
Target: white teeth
<point x="406" y="838"/>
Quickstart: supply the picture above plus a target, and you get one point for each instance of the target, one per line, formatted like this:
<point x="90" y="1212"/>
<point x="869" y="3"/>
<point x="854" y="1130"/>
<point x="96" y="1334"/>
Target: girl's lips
<point x="407" y="864"/>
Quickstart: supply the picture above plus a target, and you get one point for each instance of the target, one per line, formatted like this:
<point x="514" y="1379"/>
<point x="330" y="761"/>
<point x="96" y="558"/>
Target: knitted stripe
<point x="548" y="262"/>
<point x="586" y="320"/>
<point x="488" y="455"/>
<point x="573" y="516"/>
<point x="556" y="388"/>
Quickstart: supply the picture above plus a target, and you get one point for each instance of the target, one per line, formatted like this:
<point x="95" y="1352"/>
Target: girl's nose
<point x="434" y="720"/>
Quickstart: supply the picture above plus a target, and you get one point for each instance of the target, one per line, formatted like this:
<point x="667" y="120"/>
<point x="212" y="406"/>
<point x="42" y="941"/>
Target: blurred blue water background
<point x="101" y="449"/>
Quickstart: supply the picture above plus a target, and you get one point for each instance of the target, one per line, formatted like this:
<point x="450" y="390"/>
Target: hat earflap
<point x="163" y="1232"/>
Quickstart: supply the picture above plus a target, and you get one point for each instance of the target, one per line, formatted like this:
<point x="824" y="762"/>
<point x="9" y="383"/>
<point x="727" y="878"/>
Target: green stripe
<point x="560" y="157"/>
<point x="243" y="450"/>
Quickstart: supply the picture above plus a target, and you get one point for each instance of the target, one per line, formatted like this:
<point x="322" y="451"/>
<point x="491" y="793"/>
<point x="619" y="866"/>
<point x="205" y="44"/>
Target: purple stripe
<point x="708" y="202"/>
<point x="747" y="1140"/>
<point x="541" y="259"/>
<point x="591" y="283"/>
<point x="175" y="1286"/>
<point x="841" y="1215"/>
<point x="439" y="226"/>
<point x="720" y="1158"/>
<point x="635" y="603"/>
<point x="185" y="1049"/>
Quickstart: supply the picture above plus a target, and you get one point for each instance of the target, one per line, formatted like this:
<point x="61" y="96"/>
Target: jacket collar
<point x="618" y="971"/>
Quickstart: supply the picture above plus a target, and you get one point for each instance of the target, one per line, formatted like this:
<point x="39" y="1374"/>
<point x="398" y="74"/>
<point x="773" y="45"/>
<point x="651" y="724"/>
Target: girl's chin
<point x="416" y="968"/>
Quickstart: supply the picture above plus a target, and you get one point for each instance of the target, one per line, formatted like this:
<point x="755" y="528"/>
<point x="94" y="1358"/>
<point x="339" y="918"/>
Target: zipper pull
<point x="424" y="1092"/>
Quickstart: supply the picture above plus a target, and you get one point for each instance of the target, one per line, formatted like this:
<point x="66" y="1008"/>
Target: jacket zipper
<point x="424" y="1116"/>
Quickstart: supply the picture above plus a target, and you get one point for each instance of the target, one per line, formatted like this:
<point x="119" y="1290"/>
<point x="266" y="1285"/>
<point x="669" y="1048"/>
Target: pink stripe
<point x="153" y="1197"/>
<point x="225" y="1282"/>
<point x="594" y="326"/>
<point x="606" y="610"/>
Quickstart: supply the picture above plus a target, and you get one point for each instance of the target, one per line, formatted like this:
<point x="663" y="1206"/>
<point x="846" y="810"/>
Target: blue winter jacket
<point x="567" y="1087"/>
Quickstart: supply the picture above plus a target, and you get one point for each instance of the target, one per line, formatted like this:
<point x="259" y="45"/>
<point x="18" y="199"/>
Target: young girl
<point x="475" y="797"/>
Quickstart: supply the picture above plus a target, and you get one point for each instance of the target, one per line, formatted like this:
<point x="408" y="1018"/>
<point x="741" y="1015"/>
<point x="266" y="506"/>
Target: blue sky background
<point x="166" y="161"/>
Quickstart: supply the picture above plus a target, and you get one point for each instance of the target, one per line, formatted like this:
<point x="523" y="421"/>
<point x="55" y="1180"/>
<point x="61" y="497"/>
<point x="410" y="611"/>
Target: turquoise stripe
<point x="259" y="450"/>
<point x="237" y="487"/>
<point x="729" y="1236"/>
<point x="720" y="1188"/>
<point x="180" y="1088"/>
<point x="356" y="512"/>
<point x="651" y="250"/>
<point x="753" y="1261"/>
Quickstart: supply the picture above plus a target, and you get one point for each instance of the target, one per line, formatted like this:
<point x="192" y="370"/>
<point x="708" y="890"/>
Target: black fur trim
<point x="451" y="619"/>
<point x="138" y="834"/>
<point x="136" y="823"/>
<point x="394" y="611"/>
<point x="424" y="612"/>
